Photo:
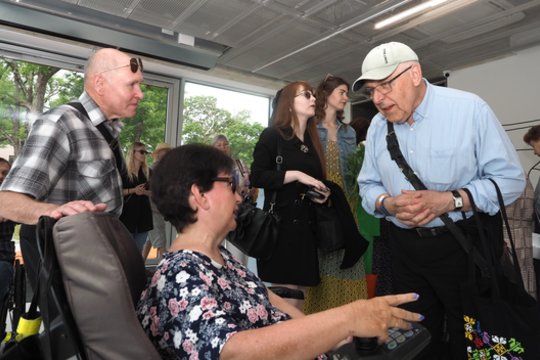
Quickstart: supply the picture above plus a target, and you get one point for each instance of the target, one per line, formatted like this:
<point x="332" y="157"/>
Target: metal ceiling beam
<point x="368" y="16"/>
<point x="42" y="22"/>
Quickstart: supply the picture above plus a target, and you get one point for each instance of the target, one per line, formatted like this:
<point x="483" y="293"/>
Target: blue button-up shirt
<point x="456" y="141"/>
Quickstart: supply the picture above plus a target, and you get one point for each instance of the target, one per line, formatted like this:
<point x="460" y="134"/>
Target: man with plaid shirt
<point x="71" y="159"/>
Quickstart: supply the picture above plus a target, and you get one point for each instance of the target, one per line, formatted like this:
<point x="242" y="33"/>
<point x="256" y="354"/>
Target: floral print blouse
<point x="193" y="305"/>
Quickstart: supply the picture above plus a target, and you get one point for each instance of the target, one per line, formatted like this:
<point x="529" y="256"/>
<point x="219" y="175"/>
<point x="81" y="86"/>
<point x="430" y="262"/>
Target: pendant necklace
<point x="304" y="149"/>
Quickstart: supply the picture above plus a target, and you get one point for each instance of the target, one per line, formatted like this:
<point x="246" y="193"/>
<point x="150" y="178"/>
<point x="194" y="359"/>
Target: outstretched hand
<point x="76" y="207"/>
<point x="375" y="316"/>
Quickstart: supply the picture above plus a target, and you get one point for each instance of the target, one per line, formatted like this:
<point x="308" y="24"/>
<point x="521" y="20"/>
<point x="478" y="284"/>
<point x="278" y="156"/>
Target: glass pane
<point x="210" y="111"/>
<point x="28" y="89"/>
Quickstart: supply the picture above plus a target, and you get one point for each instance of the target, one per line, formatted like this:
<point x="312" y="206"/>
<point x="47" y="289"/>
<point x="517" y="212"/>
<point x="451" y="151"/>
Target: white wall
<point x="511" y="85"/>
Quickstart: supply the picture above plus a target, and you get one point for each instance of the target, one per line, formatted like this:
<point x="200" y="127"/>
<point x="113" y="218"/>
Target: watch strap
<point x="457" y="195"/>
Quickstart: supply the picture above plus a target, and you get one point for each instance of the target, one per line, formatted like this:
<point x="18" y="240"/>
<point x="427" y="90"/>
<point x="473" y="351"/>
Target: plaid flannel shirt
<point x="66" y="158"/>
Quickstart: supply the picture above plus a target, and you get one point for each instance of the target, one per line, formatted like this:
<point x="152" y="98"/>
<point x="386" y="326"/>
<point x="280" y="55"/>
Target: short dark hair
<point x="174" y="175"/>
<point x="533" y="134"/>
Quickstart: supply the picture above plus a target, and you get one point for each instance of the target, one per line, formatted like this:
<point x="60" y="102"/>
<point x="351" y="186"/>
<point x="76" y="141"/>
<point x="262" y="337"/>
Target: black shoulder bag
<point x="256" y="230"/>
<point x="500" y="317"/>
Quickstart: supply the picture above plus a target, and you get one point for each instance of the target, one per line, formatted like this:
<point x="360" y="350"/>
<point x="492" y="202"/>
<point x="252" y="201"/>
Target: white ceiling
<point x="306" y="39"/>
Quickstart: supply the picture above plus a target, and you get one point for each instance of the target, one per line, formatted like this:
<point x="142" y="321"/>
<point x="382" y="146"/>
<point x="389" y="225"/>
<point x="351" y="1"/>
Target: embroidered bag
<point x="501" y="320"/>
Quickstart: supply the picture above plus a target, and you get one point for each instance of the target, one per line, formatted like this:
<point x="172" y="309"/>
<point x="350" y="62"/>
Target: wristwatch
<point x="458" y="200"/>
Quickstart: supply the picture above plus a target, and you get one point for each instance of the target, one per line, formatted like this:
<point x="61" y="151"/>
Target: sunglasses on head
<point x="307" y="94"/>
<point x="134" y="65"/>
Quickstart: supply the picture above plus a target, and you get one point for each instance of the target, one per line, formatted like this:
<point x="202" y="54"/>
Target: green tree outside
<point x="203" y="120"/>
<point x="27" y="90"/>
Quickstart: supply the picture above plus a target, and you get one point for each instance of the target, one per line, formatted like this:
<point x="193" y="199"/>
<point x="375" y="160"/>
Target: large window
<point x="209" y="111"/>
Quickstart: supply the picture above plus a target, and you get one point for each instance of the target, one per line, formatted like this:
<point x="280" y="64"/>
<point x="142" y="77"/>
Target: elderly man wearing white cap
<point x="452" y="140"/>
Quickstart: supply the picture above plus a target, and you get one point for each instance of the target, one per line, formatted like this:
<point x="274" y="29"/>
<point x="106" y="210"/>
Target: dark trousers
<point x="432" y="267"/>
<point x="435" y="267"/>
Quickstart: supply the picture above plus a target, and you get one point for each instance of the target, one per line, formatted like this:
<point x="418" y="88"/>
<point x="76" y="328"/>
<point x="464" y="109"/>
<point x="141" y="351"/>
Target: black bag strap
<point x="45" y="242"/>
<point x="392" y="145"/>
<point x="515" y="261"/>
<point x="113" y="142"/>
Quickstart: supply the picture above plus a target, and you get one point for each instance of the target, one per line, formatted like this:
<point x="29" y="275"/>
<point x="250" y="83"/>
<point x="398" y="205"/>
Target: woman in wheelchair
<point x="202" y="303"/>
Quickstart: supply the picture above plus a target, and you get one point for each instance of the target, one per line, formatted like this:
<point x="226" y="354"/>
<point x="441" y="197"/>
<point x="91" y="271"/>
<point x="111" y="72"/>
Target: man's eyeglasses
<point x="143" y="152"/>
<point x="228" y="179"/>
<point x="385" y="87"/>
<point x="307" y="94"/>
<point x="134" y="65"/>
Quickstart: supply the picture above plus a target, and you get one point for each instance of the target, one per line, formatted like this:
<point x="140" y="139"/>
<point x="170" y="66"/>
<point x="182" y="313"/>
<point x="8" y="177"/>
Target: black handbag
<point x="328" y="230"/>
<point x="501" y="319"/>
<point x="256" y="230"/>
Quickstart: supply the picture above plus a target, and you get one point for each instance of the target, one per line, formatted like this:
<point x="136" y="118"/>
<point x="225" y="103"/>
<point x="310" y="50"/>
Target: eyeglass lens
<point x="307" y="94"/>
<point x="385" y="87"/>
<point x="231" y="180"/>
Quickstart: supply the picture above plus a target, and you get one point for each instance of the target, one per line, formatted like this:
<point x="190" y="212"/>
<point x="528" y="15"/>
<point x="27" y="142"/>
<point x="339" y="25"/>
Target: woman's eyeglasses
<point x="142" y="152"/>
<point x="307" y="94"/>
<point x="228" y="179"/>
<point x="134" y="65"/>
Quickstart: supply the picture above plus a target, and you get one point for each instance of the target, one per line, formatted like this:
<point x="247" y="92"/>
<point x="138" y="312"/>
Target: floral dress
<point x="193" y="305"/>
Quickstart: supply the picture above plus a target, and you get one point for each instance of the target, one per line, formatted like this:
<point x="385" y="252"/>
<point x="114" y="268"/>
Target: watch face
<point x="458" y="202"/>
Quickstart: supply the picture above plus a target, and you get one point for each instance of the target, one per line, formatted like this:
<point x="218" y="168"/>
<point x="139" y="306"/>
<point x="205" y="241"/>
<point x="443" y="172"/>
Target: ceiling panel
<point x="305" y="39"/>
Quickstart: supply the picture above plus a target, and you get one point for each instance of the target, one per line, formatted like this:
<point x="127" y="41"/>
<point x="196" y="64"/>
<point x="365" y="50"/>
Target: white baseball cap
<point x="382" y="61"/>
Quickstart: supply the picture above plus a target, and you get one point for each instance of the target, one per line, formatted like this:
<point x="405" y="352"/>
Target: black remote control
<point x="366" y="345"/>
<point x="401" y="345"/>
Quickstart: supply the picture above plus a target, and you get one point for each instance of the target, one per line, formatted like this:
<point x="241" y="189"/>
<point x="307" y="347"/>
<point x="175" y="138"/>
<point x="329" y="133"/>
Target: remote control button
<point x="392" y="345"/>
<point x="400" y="339"/>
<point x="409" y="333"/>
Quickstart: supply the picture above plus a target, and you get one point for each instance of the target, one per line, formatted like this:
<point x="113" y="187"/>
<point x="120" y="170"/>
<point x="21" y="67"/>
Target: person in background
<point x="337" y="286"/>
<point x="157" y="236"/>
<point x="294" y="261"/>
<point x="241" y="170"/>
<point x="7" y="248"/>
<point x="521" y="220"/>
<point x="137" y="213"/>
<point x="71" y="161"/>
<point x="241" y="174"/>
<point x="203" y="304"/>
<point x="532" y="138"/>
<point x="452" y="140"/>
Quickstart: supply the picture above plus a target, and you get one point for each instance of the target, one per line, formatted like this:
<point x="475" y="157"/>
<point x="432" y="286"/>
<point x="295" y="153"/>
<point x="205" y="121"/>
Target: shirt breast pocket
<point x="95" y="175"/>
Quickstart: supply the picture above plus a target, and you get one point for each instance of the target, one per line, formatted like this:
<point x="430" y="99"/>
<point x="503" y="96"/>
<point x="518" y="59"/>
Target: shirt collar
<point x="97" y="116"/>
<point x="421" y="112"/>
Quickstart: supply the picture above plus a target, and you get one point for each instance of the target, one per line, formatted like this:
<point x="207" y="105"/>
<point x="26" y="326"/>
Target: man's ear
<point x="416" y="73"/>
<point x="99" y="84"/>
